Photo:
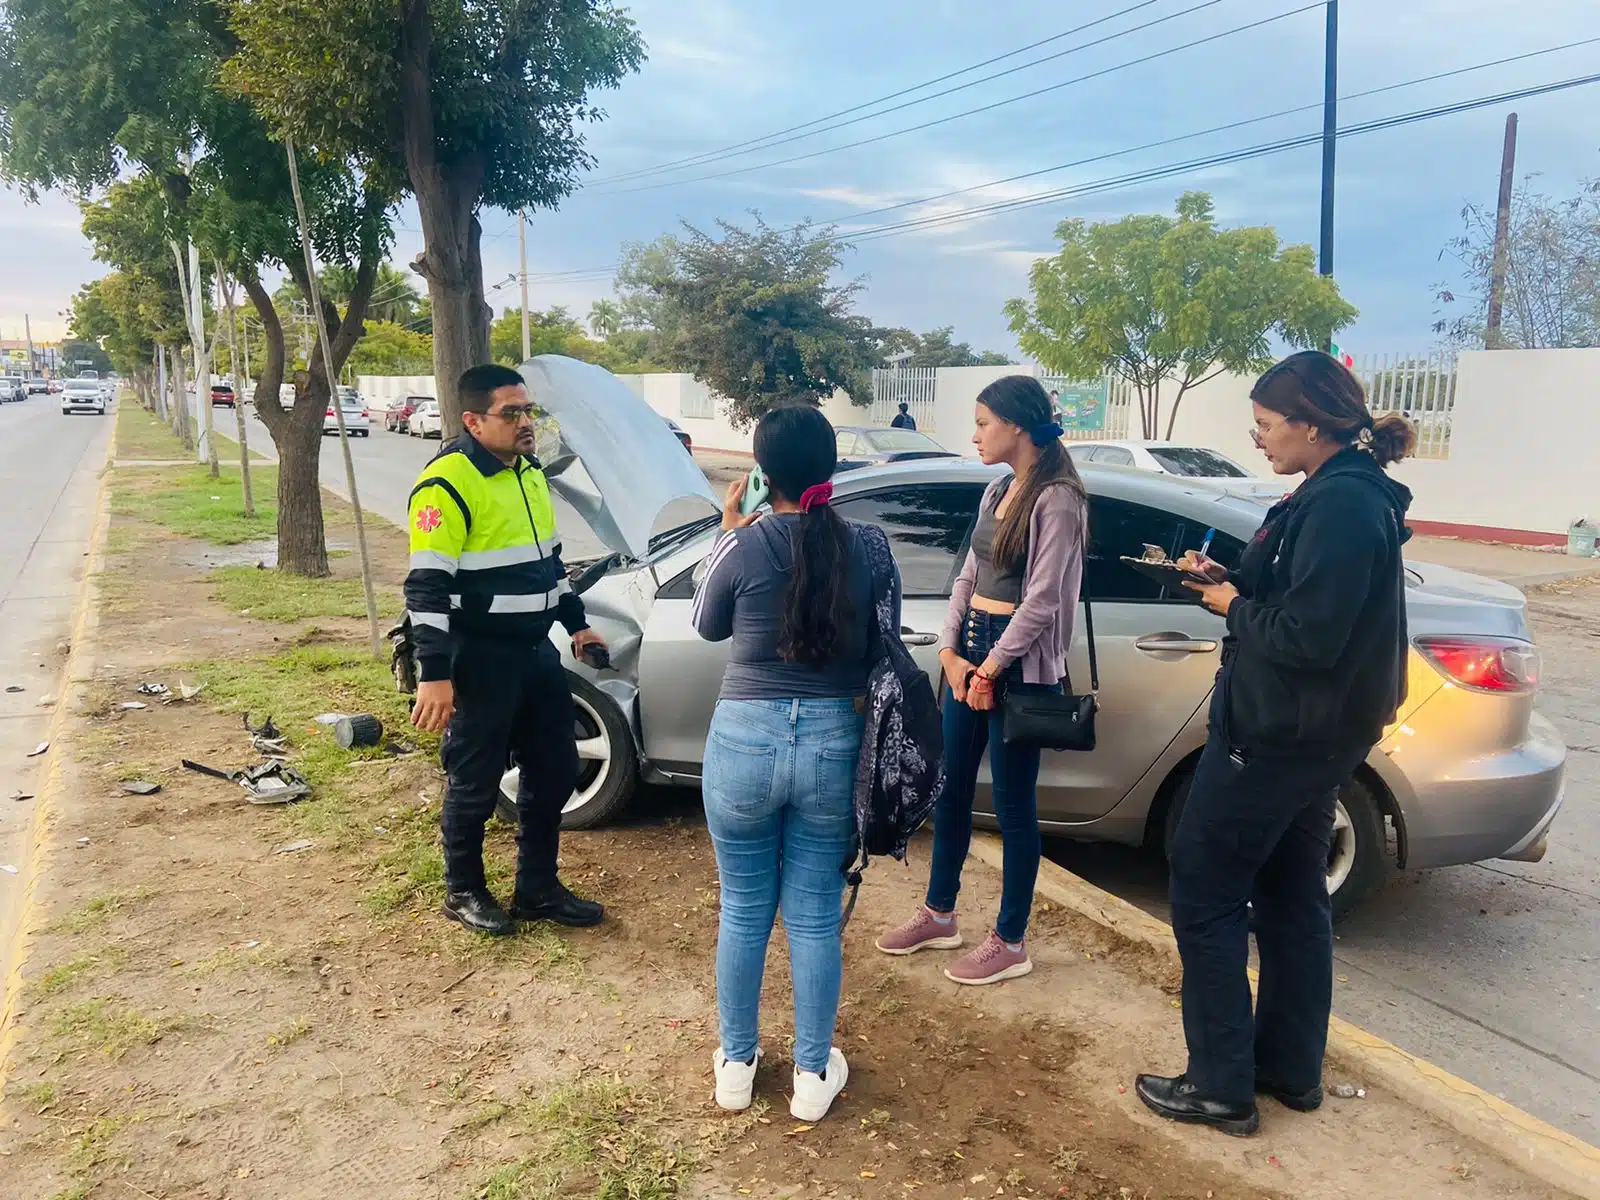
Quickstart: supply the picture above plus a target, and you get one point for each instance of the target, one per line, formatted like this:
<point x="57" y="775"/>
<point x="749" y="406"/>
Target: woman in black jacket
<point x="1313" y="668"/>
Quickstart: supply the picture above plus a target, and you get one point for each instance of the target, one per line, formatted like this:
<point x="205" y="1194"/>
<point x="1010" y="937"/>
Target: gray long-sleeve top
<point x="742" y="597"/>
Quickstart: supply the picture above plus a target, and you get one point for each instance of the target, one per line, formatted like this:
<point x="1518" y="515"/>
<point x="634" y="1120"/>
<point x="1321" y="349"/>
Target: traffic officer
<point x="486" y="586"/>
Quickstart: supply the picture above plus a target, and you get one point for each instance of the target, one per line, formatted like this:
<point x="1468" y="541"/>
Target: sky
<point x="722" y="73"/>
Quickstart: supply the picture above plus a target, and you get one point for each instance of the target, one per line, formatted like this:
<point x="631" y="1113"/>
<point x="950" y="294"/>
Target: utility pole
<point x="27" y="325"/>
<point x="522" y="274"/>
<point x="1330" y="134"/>
<point x="1492" y="339"/>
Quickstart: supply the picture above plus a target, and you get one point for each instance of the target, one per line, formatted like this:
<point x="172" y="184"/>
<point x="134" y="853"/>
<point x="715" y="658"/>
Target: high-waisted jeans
<point x="1015" y="774"/>
<point x="778" y="783"/>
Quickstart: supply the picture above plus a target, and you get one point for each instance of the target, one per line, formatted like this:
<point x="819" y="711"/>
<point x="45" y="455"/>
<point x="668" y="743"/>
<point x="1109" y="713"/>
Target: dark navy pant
<point x="1256" y="831"/>
<point x="513" y="703"/>
<point x="1014" y="771"/>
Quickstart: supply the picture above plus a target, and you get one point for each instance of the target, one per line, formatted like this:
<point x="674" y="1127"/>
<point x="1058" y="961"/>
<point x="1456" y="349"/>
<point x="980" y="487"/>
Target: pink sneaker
<point x="922" y="932"/>
<point x="992" y="962"/>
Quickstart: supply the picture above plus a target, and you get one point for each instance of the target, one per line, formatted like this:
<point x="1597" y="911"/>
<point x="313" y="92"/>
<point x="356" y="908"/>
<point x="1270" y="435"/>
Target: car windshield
<point x="429" y="406"/>
<point x="351" y="402"/>
<point x="1196" y="463"/>
<point x="900" y="441"/>
<point x="679" y="534"/>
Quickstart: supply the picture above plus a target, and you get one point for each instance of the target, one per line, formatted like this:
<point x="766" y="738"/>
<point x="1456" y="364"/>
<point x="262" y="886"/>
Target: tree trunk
<point x="302" y="540"/>
<point x="447" y="203"/>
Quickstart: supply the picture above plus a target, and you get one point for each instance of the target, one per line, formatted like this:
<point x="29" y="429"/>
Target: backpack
<point x="900" y="772"/>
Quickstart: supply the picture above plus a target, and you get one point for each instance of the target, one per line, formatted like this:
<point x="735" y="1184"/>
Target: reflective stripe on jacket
<point x="485" y="555"/>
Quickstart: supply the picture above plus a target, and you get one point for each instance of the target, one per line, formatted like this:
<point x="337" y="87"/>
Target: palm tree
<point x="605" y="318"/>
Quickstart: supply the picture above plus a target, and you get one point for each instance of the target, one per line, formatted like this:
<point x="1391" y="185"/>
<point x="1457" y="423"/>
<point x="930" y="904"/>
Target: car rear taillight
<point x="330" y="412"/>
<point x="364" y="415"/>
<point x="1501" y="665"/>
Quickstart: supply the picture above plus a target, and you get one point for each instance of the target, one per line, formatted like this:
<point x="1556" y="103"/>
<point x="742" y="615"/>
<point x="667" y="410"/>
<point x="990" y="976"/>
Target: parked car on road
<point x="222" y="395"/>
<point x="1469" y="771"/>
<point x="12" y="389"/>
<point x="682" y="434"/>
<point x="860" y="446"/>
<point x="425" y="420"/>
<point x="395" y="419"/>
<point x="357" y="421"/>
<point x="1170" y="458"/>
<point x="83" y="394"/>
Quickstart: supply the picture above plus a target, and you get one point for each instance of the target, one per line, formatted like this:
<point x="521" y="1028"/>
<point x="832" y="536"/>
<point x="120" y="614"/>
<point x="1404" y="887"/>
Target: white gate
<point x="1422" y="389"/>
<point x="911" y="386"/>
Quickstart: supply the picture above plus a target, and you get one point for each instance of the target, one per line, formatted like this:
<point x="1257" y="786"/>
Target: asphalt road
<point x="1492" y="971"/>
<point x="50" y="467"/>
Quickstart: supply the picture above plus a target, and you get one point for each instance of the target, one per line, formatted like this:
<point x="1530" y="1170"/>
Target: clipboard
<point x="1168" y="574"/>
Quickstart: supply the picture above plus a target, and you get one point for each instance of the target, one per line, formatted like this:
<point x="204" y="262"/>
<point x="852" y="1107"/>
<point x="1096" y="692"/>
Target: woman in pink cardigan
<point x="1011" y="619"/>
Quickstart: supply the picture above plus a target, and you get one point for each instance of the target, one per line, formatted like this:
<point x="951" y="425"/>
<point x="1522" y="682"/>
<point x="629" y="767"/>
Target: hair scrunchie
<point x="818" y="493"/>
<point x="1043" y="435"/>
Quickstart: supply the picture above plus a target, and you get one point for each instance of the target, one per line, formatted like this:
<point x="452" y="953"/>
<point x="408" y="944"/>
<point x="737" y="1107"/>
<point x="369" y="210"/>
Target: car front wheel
<point x="1356" y="864"/>
<point x="608" y="770"/>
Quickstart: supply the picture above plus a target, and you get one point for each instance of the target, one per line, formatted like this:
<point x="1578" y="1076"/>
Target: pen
<point x="1205" y="546"/>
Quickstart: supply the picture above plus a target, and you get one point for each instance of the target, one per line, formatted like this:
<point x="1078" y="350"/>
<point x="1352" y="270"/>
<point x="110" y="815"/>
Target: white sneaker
<point x="814" y="1094"/>
<point x="735" y="1080"/>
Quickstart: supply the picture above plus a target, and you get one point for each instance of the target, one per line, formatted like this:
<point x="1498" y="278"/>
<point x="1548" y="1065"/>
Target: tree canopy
<point x="754" y="314"/>
<point x="556" y="331"/>
<point x="1158" y="299"/>
<point x="1552" y="290"/>
<point x="938" y="348"/>
<point x="464" y="105"/>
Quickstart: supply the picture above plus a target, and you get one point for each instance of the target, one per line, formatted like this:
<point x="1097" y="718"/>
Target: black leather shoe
<point x="560" y="906"/>
<point x="478" y="911"/>
<point x="1177" y="1099"/>
<point x="1299" y="1101"/>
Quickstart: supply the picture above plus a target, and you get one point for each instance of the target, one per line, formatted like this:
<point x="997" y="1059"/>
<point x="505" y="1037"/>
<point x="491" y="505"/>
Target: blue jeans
<point x="778" y="782"/>
<point x="1015" y="773"/>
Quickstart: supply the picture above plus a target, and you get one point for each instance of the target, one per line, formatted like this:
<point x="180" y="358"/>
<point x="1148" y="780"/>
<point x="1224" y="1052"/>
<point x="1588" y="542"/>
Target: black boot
<point x="1177" y="1099"/>
<point x="555" y="903"/>
<point x="479" y="911"/>
<point x="1298" y="1101"/>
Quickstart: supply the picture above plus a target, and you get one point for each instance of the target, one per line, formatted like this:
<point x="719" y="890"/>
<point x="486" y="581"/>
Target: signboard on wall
<point x="1080" y="406"/>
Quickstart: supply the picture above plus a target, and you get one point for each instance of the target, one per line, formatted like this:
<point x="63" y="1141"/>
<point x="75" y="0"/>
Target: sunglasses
<point x="513" y="414"/>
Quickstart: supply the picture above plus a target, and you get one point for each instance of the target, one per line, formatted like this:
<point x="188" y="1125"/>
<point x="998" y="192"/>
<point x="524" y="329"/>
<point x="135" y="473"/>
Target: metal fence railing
<point x="1421" y="388"/>
<point x="912" y="386"/>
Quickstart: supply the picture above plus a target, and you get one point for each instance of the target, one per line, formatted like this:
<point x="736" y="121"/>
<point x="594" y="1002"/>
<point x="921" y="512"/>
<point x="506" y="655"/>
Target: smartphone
<point x="756" y="492"/>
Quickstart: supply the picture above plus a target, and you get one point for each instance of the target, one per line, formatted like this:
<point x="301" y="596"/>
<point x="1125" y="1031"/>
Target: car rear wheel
<point x="1356" y="865"/>
<point x="608" y="770"/>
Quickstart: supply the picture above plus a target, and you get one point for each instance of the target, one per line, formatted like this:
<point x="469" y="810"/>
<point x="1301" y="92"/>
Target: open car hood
<point x="617" y="462"/>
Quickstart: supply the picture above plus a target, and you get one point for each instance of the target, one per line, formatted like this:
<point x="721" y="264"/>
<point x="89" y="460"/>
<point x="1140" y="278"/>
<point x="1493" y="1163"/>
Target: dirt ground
<point x="236" y="1001"/>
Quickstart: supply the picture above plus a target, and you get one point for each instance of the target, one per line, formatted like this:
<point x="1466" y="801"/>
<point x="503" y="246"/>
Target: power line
<point x="1181" y="168"/>
<point x="1232" y="125"/>
<point x="776" y="138"/>
<point x="783" y="162"/>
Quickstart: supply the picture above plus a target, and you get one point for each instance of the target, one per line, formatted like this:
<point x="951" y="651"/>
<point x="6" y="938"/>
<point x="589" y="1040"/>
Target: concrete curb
<point x="1543" y="1151"/>
<point x="79" y="658"/>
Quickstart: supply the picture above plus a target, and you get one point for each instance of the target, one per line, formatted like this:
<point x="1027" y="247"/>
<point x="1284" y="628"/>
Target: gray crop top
<point x="994" y="583"/>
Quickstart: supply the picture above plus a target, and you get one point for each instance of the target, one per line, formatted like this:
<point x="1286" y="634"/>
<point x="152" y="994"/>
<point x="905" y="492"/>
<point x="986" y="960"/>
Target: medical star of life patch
<point x="427" y="518"/>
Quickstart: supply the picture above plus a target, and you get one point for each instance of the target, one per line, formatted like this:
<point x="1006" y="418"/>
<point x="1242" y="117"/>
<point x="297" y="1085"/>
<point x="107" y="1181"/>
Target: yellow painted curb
<point x="1543" y="1151"/>
<point x="50" y="785"/>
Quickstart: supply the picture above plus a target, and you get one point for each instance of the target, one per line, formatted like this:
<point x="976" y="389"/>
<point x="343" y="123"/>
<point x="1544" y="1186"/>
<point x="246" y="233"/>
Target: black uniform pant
<point x="512" y="704"/>
<point x="1256" y="832"/>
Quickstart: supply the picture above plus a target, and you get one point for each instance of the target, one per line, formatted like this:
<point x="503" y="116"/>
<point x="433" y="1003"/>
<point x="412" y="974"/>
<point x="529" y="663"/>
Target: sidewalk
<point x="1517" y="565"/>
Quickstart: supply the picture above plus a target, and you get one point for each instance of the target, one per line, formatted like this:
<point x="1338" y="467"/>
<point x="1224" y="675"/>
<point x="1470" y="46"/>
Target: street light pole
<point x="1330" y="132"/>
<point x="522" y="274"/>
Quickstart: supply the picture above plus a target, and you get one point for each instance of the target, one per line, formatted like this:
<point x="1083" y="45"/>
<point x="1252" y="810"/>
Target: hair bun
<point x="1391" y="438"/>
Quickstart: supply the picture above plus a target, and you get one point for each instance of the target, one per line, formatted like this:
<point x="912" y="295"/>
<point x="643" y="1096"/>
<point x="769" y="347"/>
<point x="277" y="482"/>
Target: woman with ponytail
<point x="795" y="593"/>
<point x="1010" y="619"/>
<point x="1313" y="669"/>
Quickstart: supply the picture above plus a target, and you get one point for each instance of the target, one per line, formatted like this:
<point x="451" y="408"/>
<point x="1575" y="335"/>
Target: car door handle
<point x="912" y="638"/>
<point x="1182" y="643"/>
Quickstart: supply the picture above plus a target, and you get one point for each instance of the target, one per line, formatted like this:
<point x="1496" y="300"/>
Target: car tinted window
<point x="1196" y="462"/>
<point x="927" y="526"/>
<point x="900" y="441"/>
<point x="1118" y="529"/>
<point x="846" y="444"/>
<point x="1115" y="456"/>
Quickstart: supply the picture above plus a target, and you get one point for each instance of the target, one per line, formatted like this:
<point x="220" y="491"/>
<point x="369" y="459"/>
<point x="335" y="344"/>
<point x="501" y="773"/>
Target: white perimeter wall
<point x="1524" y="439"/>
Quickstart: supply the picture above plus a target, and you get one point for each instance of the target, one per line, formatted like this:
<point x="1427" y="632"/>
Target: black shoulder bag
<point x="1032" y="714"/>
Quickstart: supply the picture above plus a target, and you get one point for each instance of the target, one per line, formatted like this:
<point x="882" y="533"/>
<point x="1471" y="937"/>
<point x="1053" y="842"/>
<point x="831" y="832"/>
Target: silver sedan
<point x="1468" y="771"/>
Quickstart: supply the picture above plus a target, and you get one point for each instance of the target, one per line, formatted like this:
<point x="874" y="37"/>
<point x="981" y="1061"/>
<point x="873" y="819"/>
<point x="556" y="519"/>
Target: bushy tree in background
<point x="463" y="105"/>
<point x="1552" y="289"/>
<point x="938" y="348"/>
<point x="1171" y="301"/>
<point x="754" y="314"/>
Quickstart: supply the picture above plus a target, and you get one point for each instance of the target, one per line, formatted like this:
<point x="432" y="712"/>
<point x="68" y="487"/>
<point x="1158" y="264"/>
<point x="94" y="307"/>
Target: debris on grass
<point x="141" y="787"/>
<point x="38" y="750"/>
